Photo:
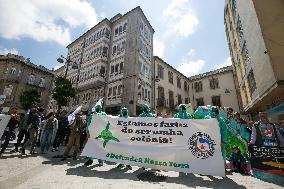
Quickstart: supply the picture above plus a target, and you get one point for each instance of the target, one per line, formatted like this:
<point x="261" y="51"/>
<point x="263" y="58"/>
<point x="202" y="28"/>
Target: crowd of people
<point x="52" y="131"/>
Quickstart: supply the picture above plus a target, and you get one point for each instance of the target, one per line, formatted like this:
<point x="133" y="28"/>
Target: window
<point x="145" y="94"/>
<point x="116" y="31"/>
<point x="198" y="86"/>
<point x="149" y="96"/>
<point x="31" y="79"/>
<point x="142" y="93"/>
<point x="171" y="99"/>
<point x="109" y="92"/>
<point x="116" y="68"/>
<point x="114" y="90"/>
<point x="121" y="67"/>
<point x="102" y="71"/>
<point x="199" y="102"/>
<point x="120" y="30"/>
<point x="170" y="76"/>
<point x="119" y="91"/>
<point x="185" y="86"/>
<point x="251" y="82"/>
<point x="113" y="50"/>
<point x="179" y="99"/>
<point x="178" y="82"/>
<point x="13" y="71"/>
<point x="160" y="72"/>
<point x="105" y="51"/>
<point x="112" y="69"/>
<point x="41" y="82"/>
<point x="216" y="101"/>
<point x="186" y="100"/>
<point x="125" y="27"/>
<point x="214" y="83"/>
<point x="107" y="33"/>
<point x="123" y="46"/>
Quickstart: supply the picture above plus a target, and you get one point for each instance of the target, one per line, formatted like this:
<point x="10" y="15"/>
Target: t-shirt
<point x="268" y="136"/>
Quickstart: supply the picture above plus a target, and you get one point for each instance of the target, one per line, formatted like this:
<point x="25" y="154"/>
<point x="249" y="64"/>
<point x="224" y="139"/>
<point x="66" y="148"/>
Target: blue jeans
<point x="46" y="138"/>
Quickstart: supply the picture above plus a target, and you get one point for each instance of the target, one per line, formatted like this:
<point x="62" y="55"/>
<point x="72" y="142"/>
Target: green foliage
<point x="29" y="98"/>
<point x="62" y="92"/>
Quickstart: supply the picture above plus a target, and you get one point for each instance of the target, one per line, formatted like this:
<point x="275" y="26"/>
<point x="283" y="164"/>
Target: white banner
<point x="190" y="146"/>
<point x="4" y="119"/>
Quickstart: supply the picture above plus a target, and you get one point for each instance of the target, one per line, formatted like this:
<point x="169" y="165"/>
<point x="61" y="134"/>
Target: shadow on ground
<point x="188" y="180"/>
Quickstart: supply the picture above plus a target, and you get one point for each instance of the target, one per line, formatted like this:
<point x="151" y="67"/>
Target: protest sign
<point x="190" y="146"/>
<point x="268" y="160"/>
<point x="4" y="119"/>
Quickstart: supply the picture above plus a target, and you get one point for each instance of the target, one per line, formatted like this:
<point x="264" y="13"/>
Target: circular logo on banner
<point x="201" y="145"/>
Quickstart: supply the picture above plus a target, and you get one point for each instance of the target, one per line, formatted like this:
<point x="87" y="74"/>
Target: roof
<point x="104" y="20"/>
<point x="113" y="19"/>
<point x="156" y="57"/>
<point x="26" y="61"/>
<point x="210" y="73"/>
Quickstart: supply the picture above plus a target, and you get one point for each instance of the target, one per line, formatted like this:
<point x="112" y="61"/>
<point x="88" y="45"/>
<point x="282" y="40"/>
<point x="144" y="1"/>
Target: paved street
<point x="36" y="171"/>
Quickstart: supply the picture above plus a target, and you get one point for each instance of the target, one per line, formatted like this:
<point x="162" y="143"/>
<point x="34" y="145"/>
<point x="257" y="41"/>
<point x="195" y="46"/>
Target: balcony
<point x="96" y="81"/>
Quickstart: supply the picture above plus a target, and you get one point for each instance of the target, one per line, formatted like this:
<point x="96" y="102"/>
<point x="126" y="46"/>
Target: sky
<point x="189" y="34"/>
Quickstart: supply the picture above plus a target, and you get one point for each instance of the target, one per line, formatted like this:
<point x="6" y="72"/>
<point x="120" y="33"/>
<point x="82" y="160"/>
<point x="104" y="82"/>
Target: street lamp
<point x="156" y="80"/>
<point x="67" y="62"/>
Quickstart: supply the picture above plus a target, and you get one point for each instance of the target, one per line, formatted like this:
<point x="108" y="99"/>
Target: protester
<point x="84" y="136"/>
<point x="124" y="114"/>
<point x="48" y="132"/>
<point x="97" y="110"/>
<point x="146" y="112"/>
<point x="223" y="130"/>
<point x="238" y="162"/>
<point x="10" y="129"/>
<point x="76" y="131"/>
<point x="23" y="126"/>
<point x="41" y="119"/>
<point x="265" y="133"/>
<point x="61" y="131"/>
<point x="182" y="114"/>
<point x="33" y="126"/>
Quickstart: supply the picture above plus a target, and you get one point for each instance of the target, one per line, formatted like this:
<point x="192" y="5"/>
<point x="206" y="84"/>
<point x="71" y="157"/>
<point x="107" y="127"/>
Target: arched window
<point x="120" y="30"/>
<point x="114" y="50"/>
<point x="124" y="27"/>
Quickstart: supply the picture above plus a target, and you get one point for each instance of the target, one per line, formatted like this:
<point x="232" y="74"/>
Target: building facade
<point x="115" y="60"/>
<point x="215" y="88"/>
<point x="17" y="74"/>
<point x="254" y="32"/>
<point x="171" y="88"/>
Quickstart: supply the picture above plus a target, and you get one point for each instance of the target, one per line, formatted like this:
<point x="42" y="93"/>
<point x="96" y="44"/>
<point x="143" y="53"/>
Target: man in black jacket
<point x="33" y="126"/>
<point x="61" y="131"/>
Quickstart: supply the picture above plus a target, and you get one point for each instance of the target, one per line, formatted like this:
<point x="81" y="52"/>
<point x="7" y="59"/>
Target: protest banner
<point x="268" y="160"/>
<point x="190" y="146"/>
<point x="4" y="119"/>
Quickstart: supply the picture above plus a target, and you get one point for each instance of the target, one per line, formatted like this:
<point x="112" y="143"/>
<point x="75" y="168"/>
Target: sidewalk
<point x="37" y="171"/>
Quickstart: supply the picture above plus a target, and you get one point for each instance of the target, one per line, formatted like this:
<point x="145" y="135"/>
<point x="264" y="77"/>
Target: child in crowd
<point x="238" y="162"/>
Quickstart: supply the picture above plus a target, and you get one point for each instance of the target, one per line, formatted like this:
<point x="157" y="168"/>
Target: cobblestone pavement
<point x="44" y="171"/>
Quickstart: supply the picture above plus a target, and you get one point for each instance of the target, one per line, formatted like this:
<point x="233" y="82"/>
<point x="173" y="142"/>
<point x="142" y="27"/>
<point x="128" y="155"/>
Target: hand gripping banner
<point x="189" y="146"/>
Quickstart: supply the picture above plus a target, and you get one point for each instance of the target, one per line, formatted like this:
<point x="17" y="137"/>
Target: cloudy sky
<point x="189" y="34"/>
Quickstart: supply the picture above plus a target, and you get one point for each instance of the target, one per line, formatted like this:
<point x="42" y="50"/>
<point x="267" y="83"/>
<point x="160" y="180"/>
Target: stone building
<point x="115" y="59"/>
<point x="254" y="30"/>
<point x="171" y="87"/>
<point x="215" y="88"/>
<point x="17" y="74"/>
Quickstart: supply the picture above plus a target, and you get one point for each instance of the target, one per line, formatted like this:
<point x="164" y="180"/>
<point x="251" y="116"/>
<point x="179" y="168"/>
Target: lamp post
<point x="67" y="62"/>
<point x="156" y="80"/>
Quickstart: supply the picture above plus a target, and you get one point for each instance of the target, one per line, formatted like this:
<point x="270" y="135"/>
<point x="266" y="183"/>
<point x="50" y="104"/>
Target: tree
<point x="62" y="92"/>
<point x="29" y="98"/>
